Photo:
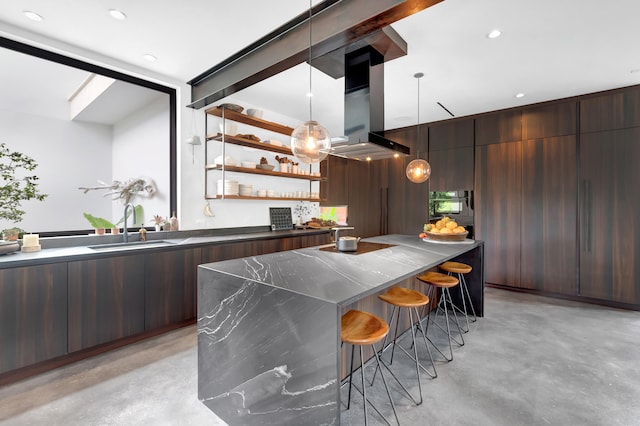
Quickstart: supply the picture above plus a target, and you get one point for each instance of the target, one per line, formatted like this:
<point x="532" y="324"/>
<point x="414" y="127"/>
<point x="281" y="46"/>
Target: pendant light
<point x="418" y="170"/>
<point x="310" y="142"/>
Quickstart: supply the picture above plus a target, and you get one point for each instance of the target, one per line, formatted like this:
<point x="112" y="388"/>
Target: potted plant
<point x="158" y="221"/>
<point x="12" y="234"/>
<point x="16" y="183"/>
<point x="100" y="224"/>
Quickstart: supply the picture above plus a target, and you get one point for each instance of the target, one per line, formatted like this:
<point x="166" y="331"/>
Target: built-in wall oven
<point x="457" y="204"/>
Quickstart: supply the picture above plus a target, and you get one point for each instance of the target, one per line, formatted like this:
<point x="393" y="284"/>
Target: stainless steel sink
<point x="131" y="245"/>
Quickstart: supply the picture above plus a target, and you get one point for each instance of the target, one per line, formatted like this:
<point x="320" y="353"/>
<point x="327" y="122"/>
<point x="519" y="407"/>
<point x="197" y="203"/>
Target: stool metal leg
<point x="442" y="305"/>
<point x="465" y="288"/>
<point x="363" y="392"/>
<point x="464" y="294"/>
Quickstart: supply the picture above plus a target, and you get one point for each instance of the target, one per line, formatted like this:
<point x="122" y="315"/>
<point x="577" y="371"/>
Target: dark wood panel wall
<point x="380" y="199"/>
<point x="537" y="171"/>
<point x="620" y="110"/>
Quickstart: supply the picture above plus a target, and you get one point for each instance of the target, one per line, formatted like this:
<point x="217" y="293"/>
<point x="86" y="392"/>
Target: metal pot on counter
<point x="345" y="243"/>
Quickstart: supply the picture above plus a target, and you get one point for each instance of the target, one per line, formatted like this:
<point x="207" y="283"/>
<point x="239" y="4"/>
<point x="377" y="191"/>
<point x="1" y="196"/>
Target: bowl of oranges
<point x="445" y="229"/>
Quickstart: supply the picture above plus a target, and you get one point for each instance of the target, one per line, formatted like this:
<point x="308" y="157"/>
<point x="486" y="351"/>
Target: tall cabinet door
<point x="549" y="212"/>
<point x="498" y="199"/>
<point x="609" y="206"/>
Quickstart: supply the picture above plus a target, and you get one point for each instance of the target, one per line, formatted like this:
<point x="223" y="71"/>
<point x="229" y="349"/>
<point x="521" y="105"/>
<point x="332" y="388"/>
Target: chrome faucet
<point x="125" y="234"/>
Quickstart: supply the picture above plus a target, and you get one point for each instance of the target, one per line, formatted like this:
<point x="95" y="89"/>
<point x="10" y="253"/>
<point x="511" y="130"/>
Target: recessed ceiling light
<point x="149" y="57"/>
<point x="32" y="15"/>
<point x="494" y="34"/>
<point x="519" y="95"/>
<point x="117" y="14"/>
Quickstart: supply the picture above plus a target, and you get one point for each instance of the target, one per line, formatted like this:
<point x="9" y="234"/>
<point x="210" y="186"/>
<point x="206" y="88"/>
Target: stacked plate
<point x="246" y="190"/>
<point x="230" y="187"/>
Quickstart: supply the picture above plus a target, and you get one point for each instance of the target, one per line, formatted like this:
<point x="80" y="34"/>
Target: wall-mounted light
<point x="418" y="170"/>
<point x="310" y="141"/>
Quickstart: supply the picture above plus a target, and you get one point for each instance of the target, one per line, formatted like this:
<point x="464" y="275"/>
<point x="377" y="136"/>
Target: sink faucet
<point x="125" y="234"/>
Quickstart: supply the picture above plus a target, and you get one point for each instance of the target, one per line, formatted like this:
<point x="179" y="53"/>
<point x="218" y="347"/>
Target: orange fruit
<point x="446" y="231"/>
<point x="452" y="224"/>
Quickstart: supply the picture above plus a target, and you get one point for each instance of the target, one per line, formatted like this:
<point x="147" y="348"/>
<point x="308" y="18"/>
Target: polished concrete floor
<point x="530" y="361"/>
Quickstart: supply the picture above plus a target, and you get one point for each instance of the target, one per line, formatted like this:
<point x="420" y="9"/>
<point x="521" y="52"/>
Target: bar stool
<point x="436" y="280"/>
<point x="362" y="328"/>
<point x="461" y="269"/>
<point x="401" y="297"/>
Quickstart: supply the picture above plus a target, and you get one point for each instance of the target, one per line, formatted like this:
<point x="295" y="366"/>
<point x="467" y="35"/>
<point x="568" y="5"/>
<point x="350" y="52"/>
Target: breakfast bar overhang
<point x="269" y="326"/>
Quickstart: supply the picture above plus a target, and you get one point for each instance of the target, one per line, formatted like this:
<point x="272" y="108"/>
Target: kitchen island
<point x="269" y="326"/>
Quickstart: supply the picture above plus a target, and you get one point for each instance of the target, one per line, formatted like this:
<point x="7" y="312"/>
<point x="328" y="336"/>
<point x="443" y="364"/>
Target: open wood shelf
<point x="251" y="144"/>
<point x="242" y="197"/>
<point x="265" y="172"/>
<point x="252" y="121"/>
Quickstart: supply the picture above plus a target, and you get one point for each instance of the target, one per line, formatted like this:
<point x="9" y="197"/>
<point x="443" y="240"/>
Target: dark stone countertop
<point x="343" y="277"/>
<point x="63" y="249"/>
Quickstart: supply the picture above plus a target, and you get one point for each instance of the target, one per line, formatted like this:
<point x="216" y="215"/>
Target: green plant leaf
<point x="98" y="222"/>
<point x="139" y="214"/>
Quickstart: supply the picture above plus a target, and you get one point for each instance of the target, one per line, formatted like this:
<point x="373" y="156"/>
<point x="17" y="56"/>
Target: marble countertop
<point x="343" y="277"/>
<point x="110" y="245"/>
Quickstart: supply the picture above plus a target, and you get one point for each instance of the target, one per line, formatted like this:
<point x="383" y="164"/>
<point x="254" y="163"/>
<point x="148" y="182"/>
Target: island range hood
<point x="364" y="110"/>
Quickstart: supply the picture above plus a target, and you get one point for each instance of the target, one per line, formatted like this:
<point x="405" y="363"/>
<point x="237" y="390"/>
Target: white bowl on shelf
<point x="257" y="113"/>
<point x="230" y="128"/>
<point x="248" y="164"/>
<point x="228" y="160"/>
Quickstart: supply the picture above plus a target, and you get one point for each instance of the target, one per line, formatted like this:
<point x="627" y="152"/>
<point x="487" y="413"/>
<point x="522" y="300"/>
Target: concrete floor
<point x="530" y="361"/>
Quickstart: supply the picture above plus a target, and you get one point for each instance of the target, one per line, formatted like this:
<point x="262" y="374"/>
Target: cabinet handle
<point x="587" y="206"/>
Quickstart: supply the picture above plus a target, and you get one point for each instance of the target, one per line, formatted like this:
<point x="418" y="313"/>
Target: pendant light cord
<point x="418" y="76"/>
<point x="310" y="41"/>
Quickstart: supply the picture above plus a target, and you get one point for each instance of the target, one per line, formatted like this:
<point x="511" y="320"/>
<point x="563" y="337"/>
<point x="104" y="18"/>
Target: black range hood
<point x="364" y="109"/>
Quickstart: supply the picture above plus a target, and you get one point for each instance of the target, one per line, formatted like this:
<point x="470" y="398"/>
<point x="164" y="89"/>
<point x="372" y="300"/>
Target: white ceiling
<point x="549" y="49"/>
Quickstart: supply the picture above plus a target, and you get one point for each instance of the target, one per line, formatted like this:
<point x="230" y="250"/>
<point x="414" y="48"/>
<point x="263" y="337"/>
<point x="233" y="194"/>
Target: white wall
<point x="231" y="213"/>
<point x="228" y="213"/>
<point x="141" y="149"/>
<point x="56" y="145"/>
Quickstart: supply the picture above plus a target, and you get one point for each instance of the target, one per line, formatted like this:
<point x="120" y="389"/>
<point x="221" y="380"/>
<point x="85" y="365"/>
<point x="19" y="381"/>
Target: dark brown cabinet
<point x="170" y="283"/>
<point x="451" y="155"/>
<point x="33" y="315"/>
<point x="609" y="206"/>
<point x="105" y="300"/>
<point x="549" y="215"/>
<point x="618" y="110"/>
<point x="498" y="213"/>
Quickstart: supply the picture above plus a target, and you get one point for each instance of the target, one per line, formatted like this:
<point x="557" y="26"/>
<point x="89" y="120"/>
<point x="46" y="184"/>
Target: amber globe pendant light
<point x="310" y="142"/>
<point x="418" y="170"/>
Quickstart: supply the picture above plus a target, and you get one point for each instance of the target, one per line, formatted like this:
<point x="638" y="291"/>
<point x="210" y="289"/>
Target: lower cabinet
<point x="105" y="300"/>
<point x="47" y="311"/>
<point x="170" y="284"/>
<point x="33" y="315"/>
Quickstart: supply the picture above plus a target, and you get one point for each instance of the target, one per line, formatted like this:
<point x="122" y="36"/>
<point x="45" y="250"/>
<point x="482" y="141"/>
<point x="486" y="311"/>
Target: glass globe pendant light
<point x="418" y="170"/>
<point x="310" y="141"/>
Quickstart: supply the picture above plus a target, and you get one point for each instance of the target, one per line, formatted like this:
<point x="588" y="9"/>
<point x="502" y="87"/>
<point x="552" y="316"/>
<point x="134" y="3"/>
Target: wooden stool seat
<point x="404" y="297"/>
<point x="456" y="267"/>
<point x="362" y="328"/>
<point x="437" y="279"/>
